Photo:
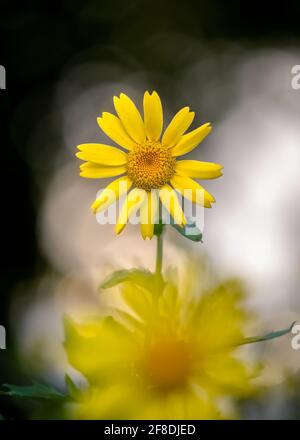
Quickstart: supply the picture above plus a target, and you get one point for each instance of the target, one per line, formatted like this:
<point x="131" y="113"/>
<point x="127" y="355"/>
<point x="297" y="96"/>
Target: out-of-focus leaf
<point x="189" y="231"/>
<point x="142" y="278"/>
<point x="269" y="336"/>
<point x="35" y="391"/>
<point x="72" y="390"/>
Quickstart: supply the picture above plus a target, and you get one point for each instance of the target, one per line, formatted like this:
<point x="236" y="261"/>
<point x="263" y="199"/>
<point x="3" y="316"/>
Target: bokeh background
<point x="231" y="63"/>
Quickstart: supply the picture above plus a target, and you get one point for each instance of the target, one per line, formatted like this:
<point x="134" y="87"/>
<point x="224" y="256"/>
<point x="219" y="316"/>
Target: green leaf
<point x="189" y="231"/>
<point x="269" y="336"/>
<point x="142" y="278"/>
<point x="35" y="391"/>
<point x="72" y="390"/>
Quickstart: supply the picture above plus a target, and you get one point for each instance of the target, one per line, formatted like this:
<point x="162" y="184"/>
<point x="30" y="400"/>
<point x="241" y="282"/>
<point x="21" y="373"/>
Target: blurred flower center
<point x="167" y="364"/>
<point x="150" y="165"/>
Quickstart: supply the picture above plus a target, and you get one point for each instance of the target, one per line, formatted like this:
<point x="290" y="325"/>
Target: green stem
<point x="159" y="232"/>
<point x="159" y="255"/>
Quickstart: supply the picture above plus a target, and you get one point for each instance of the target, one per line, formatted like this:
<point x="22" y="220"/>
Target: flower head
<point x="164" y="356"/>
<point x="149" y="163"/>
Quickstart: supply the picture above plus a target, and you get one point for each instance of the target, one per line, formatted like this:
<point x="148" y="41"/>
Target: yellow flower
<point x="149" y="163"/>
<point x="167" y="356"/>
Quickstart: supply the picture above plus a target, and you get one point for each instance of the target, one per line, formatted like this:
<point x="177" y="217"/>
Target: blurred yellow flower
<point x="150" y="162"/>
<point x="165" y="354"/>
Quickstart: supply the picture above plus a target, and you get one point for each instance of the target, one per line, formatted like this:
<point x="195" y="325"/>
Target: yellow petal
<point x="190" y="140"/>
<point x="170" y="201"/>
<point x="191" y="190"/>
<point x="153" y="116"/>
<point x="230" y="373"/>
<point x="113" y="128"/>
<point x="139" y="299"/>
<point x="98" y="345"/>
<point x="101" y="154"/>
<point x="111" y="193"/>
<point x="199" y="170"/>
<point x="130" y="118"/>
<point x="179" y="124"/>
<point x="149" y="211"/>
<point x="219" y="332"/>
<point x="92" y="170"/>
<point x="132" y="203"/>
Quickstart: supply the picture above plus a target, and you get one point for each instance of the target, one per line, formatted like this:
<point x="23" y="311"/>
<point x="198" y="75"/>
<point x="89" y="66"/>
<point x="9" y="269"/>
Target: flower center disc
<point x="150" y="165"/>
<point x="167" y="364"/>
